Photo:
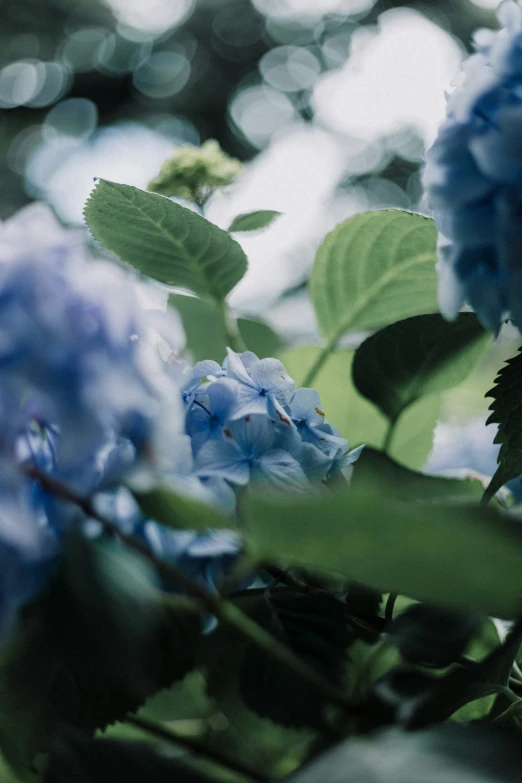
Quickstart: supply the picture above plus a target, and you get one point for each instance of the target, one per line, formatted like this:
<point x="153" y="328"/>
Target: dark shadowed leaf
<point x="165" y="241"/>
<point x="77" y="760"/>
<point x="430" y="636"/>
<point x="416" y="357"/>
<point x="506" y="411"/>
<point x="316" y="626"/>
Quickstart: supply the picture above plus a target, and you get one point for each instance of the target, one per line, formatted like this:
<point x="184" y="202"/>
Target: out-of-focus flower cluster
<point x="473" y="178"/>
<point x="193" y="173"/>
<point x="86" y="399"/>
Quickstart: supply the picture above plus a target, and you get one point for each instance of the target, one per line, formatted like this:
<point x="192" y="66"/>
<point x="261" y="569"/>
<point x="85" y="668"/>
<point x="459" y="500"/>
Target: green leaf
<point x="259" y="337"/>
<point x="164" y="240"/>
<point x="355" y="417"/>
<point x="506" y="411"/>
<point x="478" y="754"/>
<point x="123" y="641"/>
<point x="418" y="356"/>
<point x="372" y="270"/>
<point x="108" y="760"/>
<point x="316" y="626"/>
<point x="96" y="646"/>
<point x="253" y="221"/>
<point x="178" y="511"/>
<point x="461" y="686"/>
<point x="411" y="486"/>
<point x="466" y="557"/>
<point x="205" y="331"/>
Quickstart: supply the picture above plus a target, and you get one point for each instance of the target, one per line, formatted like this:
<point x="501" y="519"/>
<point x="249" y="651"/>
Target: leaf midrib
<point x="194" y="261"/>
<point x="384" y="280"/>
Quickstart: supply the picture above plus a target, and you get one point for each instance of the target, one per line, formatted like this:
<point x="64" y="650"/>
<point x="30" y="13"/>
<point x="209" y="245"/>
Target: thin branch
<point x="194" y="745"/>
<point x="224" y="610"/>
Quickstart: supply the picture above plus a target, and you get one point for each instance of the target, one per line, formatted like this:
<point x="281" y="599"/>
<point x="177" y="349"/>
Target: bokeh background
<point x="333" y="101"/>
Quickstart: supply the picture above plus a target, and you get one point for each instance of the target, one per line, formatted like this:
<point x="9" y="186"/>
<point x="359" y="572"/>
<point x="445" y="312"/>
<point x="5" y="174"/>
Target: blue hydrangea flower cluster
<point x="473" y="179"/>
<point x="85" y="398"/>
<point x="249" y="425"/>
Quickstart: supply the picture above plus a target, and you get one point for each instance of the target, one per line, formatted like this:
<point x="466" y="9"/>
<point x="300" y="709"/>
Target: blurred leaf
<point x="253" y="221"/>
<point x="179" y="511"/>
<point x="205" y="332"/>
<point x="94" y="648"/>
<point x="372" y="270"/>
<point x="110" y="760"/>
<point x="430" y="636"/>
<point x="356" y="418"/>
<point x="256" y="739"/>
<point x="481" y="646"/>
<point x="445" y="695"/>
<point x="259" y="337"/>
<point x="185" y="700"/>
<point x="419" y="356"/>
<point x="411" y="486"/>
<point x="193" y="173"/>
<point x="316" y="627"/>
<point x="164" y="240"/>
<point x="442" y="754"/>
<point x="506" y="411"/>
<point x="203" y="326"/>
<point x="466" y="557"/>
<point x="123" y="641"/>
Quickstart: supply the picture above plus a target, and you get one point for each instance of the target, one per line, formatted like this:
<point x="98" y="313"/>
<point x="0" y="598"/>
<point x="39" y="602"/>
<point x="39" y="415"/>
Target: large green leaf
<point x="372" y="270"/>
<point x="355" y="417"/>
<point x="205" y="330"/>
<point x="411" y="486"/>
<point x="164" y="240"/>
<point x="463" y="556"/>
<point x="418" y="356"/>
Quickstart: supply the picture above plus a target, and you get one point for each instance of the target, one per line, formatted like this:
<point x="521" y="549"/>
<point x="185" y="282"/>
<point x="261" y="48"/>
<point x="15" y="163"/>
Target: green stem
<point x="234" y="339"/>
<point x="389" y="437"/>
<point x="317" y="366"/>
<point x="195" y="745"/>
<point x="225" y="611"/>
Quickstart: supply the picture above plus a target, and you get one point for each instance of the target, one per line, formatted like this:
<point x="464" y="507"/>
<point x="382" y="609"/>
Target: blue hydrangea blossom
<point x="473" y="179"/>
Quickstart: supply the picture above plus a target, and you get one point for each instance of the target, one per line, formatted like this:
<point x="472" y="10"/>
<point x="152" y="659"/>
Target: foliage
<point x="190" y="550"/>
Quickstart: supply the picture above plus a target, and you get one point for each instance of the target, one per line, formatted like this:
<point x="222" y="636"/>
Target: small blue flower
<point x="210" y="412"/>
<point x="252" y="451"/>
<point x="473" y="179"/>
<point x="311" y="423"/>
<point x="264" y="386"/>
<point x="192" y="379"/>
